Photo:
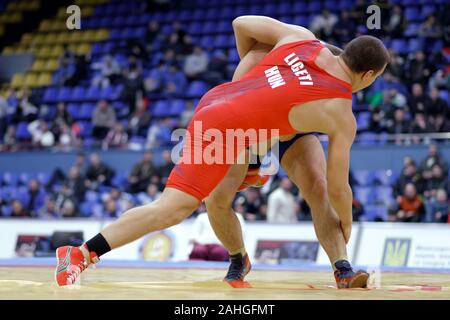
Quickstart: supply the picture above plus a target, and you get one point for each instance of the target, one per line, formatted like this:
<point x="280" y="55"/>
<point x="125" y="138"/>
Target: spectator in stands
<point x="81" y="66"/>
<point x="141" y="174"/>
<point x="410" y="205"/>
<point x="196" y="63"/>
<point x="62" y="115"/>
<point x="408" y="175"/>
<point x="419" y="126"/>
<point x="345" y="28"/>
<point x="4" y="106"/>
<point x="66" y="69"/>
<point x="175" y="81"/>
<point x="41" y="135"/>
<point x="35" y="196"/>
<point x="187" y="114"/>
<point x="440" y="79"/>
<point x="10" y="142"/>
<point x="396" y="65"/>
<point x="159" y="134"/>
<point x="18" y="211"/>
<point x="109" y="72"/>
<point x="122" y="200"/>
<point x="103" y="119"/>
<point x="66" y="202"/>
<point x="417" y="69"/>
<point x="430" y="28"/>
<point x="437" y="181"/>
<point x="432" y="158"/>
<point x="322" y="24"/>
<point x="396" y="24"/>
<point x="206" y="246"/>
<point x="76" y="182"/>
<point x="48" y="211"/>
<point x="26" y="109"/>
<point x="133" y="82"/>
<point x="140" y="118"/>
<point x="439" y="207"/>
<point x="110" y="209"/>
<point x="398" y="124"/>
<point x="166" y="166"/>
<point x="67" y="138"/>
<point x="116" y="137"/>
<point x="217" y="71"/>
<point x="438" y="112"/>
<point x="58" y="174"/>
<point x="152" y="33"/>
<point x="187" y="45"/>
<point x="282" y="206"/>
<point x="151" y="195"/>
<point x="251" y="204"/>
<point x="154" y="82"/>
<point x="419" y="101"/>
<point x="98" y="173"/>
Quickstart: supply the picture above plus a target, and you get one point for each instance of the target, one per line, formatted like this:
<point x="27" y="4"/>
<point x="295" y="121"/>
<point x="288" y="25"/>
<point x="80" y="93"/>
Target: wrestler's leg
<point x="305" y="164"/>
<point x="171" y="208"/>
<point x="221" y="215"/>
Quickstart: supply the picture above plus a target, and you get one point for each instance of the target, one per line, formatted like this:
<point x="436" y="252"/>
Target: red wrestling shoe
<point x="71" y="262"/>
<point x="346" y="278"/>
<point x="254" y="179"/>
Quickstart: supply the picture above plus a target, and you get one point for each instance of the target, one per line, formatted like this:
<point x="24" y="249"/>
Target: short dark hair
<point x="365" y="53"/>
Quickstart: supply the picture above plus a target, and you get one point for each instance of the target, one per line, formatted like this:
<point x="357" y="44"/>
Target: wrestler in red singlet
<point x="262" y="99"/>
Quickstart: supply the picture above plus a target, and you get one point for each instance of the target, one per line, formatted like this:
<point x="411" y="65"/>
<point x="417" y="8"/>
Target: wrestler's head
<point x="366" y="57"/>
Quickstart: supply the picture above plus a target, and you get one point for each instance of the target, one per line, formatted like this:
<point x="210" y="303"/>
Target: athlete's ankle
<point x="96" y="247"/>
<point x="342" y="265"/>
<point x="241" y="251"/>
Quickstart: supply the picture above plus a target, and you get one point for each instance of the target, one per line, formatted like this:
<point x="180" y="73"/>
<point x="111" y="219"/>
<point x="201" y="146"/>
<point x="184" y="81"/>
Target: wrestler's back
<point x="265" y="96"/>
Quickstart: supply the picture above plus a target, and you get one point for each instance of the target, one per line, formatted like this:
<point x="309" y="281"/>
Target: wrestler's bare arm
<point x="251" y="29"/>
<point x="338" y="165"/>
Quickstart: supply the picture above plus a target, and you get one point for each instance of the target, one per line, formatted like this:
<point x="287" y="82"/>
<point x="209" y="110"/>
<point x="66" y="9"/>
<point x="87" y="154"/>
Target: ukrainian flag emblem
<point x="396" y="252"/>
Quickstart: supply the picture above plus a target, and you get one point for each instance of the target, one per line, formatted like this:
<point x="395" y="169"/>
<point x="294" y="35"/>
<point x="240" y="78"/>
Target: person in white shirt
<point x="281" y="205"/>
<point x="206" y="246"/>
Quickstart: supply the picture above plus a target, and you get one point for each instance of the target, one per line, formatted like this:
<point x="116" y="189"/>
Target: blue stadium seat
<point x="86" y="209"/>
<point x="78" y="94"/>
<point x="196" y="89"/>
<point x="195" y="28"/>
<point x="415" y="45"/>
<point x="375" y="211"/>
<point x="315" y="6"/>
<point x="233" y="56"/>
<point x="22" y="131"/>
<point x="92" y="93"/>
<point x="399" y="45"/>
<point x="412" y="14"/>
<point x="86" y="129"/>
<point x="64" y="94"/>
<point x="363" y="177"/>
<point x="363" y="120"/>
<point x="221" y="41"/>
<point x="92" y="196"/>
<point x="384" y="194"/>
<point x="207" y="41"/>
<point x="161" y="109"/>
<point x="10" y="179"/>
<point x="74" y="110"/>
<point x="50" y="95"/>
<point x="86" y="110"/>
<point x="43" y="177"/>
<point x="363" y="194"/>
<point x="427" y="10"/>
<point x="177" y="107"/>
